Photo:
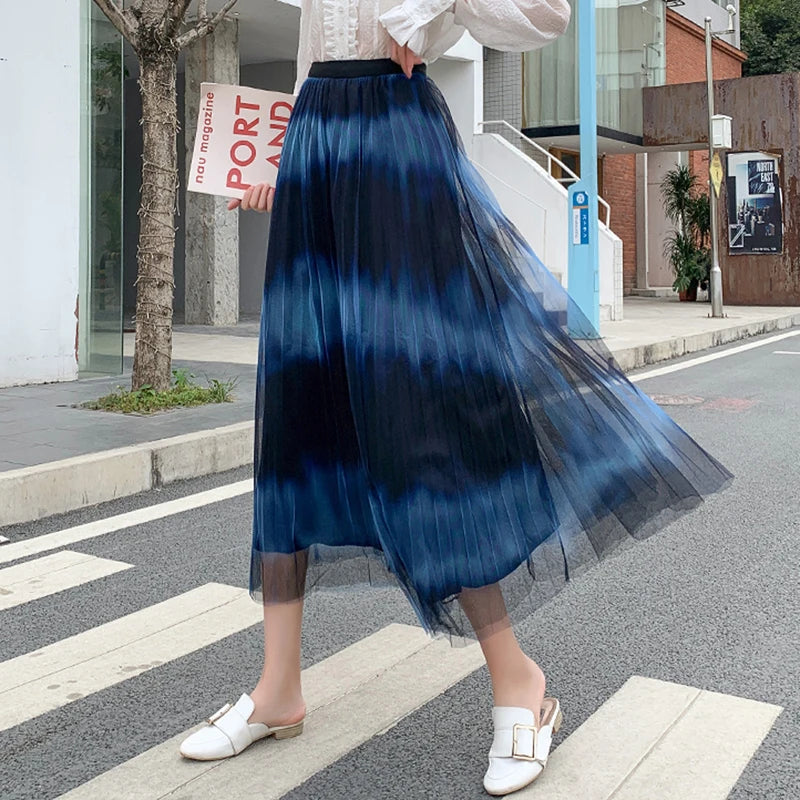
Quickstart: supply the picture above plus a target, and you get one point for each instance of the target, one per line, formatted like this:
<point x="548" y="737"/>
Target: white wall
<point x="659" y="272"/>
<point x="537" y="205"/>
<point x="698" y="10"/>
<point x="40" y="203"/>
<point x="459" y="76"/>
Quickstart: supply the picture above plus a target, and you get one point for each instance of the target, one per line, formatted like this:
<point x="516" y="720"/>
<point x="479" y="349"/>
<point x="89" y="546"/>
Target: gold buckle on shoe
<point x="224" y="710"/>
<point x="514" y="753"/>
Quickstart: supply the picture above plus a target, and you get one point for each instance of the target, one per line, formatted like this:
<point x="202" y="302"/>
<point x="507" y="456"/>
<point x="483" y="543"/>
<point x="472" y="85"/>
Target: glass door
<point x="100" y="299"/>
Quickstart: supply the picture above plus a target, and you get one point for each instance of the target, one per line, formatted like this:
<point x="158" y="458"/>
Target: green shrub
<point x="183" y="392"/>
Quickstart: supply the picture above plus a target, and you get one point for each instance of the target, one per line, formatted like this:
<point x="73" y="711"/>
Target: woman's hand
<point x="404" y="57"/>
<point x="257" y="197"/>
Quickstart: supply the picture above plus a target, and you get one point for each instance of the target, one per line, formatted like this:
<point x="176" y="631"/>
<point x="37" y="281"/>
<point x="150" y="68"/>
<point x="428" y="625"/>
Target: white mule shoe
<point x="519" y="750"/>
<point x="228" y="732"/>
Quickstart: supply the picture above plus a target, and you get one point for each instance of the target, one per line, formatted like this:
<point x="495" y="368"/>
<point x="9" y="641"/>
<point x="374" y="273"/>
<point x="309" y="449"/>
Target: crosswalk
<point x="51" y="574"/>
<point x="650" y="740"/>
<point x="72" y="668"/>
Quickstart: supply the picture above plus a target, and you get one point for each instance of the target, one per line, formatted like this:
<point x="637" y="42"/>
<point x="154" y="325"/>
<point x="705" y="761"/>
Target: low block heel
<point x="557" y="721"/>
<point x="290" y="731"/>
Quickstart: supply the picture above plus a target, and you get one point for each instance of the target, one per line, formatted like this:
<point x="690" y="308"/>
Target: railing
<point x="550" y="160"/>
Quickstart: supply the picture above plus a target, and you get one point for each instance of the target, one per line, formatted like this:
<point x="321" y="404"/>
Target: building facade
<point x="759" y="202"/>
<point x="62" y="174"/>
<point x="72" y="154"/>
<point x="70" y="227"/>
<point x="640" y="44"/>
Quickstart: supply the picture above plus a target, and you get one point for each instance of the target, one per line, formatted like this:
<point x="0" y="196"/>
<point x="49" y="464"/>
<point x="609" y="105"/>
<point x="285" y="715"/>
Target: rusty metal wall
<point x="766" y="116"/>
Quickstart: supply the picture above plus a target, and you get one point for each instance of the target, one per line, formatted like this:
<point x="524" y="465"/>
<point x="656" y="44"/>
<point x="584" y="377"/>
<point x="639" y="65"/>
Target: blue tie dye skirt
<point x="424" y="416"/>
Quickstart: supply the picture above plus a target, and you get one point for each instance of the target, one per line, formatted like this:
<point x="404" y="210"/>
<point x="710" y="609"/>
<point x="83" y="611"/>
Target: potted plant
<point x="683" y="255"/>
<point x="686" y="246"/>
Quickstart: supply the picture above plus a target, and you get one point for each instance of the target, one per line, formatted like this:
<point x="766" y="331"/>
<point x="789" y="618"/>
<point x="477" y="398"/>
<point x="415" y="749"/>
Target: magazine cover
<point x="239" y="138"/>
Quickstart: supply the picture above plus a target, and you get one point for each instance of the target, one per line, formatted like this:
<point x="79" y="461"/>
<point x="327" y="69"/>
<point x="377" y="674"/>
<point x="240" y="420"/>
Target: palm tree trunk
<point x="155" y="282"/>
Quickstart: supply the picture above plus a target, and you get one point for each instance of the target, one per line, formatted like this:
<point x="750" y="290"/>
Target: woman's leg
<point x="517" y="680"/>
<point x="278" y="696"/>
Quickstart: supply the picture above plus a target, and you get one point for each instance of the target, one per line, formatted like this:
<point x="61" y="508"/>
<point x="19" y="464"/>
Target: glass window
<point x="100" y="298"/>
<point x="630" y="55"/>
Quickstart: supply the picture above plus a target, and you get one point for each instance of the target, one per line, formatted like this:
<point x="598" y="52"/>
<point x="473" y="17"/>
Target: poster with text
<point x="755" y="215"/>
<point x="239" y="138"/>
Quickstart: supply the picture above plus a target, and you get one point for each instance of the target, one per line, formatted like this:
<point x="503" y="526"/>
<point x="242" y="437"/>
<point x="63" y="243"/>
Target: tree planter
<point x="690" y="295"/>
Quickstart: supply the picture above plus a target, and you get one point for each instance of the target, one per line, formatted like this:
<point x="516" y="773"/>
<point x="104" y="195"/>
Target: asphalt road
<point x="712" y="601"/>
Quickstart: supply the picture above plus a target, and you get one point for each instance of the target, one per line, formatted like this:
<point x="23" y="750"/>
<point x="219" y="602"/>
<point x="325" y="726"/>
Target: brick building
<point x="640" y="44"/>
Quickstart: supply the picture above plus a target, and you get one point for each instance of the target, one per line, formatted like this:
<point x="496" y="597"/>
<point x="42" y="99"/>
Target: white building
<point x="71" y="155"/>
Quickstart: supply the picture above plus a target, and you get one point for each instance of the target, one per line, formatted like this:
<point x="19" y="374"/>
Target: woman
<point x="431" y="407"/>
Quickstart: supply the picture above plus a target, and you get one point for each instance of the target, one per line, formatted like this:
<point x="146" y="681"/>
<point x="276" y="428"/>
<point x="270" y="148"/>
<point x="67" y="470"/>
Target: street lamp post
<point x="715" y="278"/>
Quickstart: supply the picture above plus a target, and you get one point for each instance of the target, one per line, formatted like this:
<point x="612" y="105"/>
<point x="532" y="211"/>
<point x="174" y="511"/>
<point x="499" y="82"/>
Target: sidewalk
<point x="657" y="329"/>
<point x="54" y="457"/>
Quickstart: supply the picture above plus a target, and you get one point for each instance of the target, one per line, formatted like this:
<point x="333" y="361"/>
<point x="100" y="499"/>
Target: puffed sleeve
<point x="515" y="25"/>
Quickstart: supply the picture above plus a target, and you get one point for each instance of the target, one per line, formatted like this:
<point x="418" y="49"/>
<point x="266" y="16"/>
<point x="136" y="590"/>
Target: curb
<point x="31" y="493"/>
<point x="632" y="358"/>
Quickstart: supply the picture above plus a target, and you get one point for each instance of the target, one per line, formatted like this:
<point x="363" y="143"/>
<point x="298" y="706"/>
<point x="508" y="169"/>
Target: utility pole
<point x="583" y="274"/>
<point x="715" y="278"/>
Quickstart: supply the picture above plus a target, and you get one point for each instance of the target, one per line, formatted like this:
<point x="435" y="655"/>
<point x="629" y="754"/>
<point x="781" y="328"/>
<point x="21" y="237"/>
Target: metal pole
<point x="583" y="274"/>
<point x="715" y="278"/>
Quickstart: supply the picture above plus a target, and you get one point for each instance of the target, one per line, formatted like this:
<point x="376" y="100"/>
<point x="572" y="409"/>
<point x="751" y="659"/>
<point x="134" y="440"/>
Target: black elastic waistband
<point x="357" y="68"/>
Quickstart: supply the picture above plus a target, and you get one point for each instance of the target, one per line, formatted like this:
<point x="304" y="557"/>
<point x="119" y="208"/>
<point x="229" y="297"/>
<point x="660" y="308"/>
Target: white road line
<point x="336" y="729"/>
<point x="50" y="574"/>
<point x="657" y="740"/>
<point x="706" y="750"/>
<point x="654" y="373"/>
<point x="787" y="352"/>
<point x="100" y="527"/>
<point x="160" y="770"/>
<point x="652" y="739"/>
<point x="67" y="670"/>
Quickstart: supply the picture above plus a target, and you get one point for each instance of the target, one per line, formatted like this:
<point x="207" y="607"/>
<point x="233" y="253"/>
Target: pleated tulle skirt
<point x="423" y="415"/>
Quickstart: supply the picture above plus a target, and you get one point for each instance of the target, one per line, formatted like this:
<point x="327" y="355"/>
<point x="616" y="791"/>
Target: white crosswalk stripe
<point x="350" y="696"/>
<point x="652" y="739"/>
<point x="72" y="668"/>
<point x="41" y="577"/>
<point x="140" y="516"/>
<point x="659" y="741"/>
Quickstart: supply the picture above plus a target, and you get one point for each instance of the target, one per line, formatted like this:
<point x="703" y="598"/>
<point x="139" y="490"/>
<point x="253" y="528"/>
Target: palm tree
<point x="153" y="29"/>
<point x="685" y="247"/>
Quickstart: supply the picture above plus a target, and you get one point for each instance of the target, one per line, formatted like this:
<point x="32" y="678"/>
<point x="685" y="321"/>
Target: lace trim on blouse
<point x="340" y="25"/>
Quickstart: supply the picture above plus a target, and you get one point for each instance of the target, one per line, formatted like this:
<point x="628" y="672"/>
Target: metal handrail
<point x="551" y="159"/>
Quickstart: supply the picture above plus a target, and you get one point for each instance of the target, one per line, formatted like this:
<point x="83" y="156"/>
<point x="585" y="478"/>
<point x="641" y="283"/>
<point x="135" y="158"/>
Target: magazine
<point x="239" y="138"/>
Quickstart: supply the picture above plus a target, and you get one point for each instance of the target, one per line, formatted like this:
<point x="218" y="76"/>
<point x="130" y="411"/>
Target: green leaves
<point x="770" y="36"/>
<point x="677" y="188"/>
<point x="184" y="392"/>
<point x="689" y="262"/>
<point x="685" y="248"/>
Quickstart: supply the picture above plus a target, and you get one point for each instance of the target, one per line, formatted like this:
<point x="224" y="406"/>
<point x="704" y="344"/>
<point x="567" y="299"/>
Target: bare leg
<point x="517" y="680"/>
<point x="278" y="695"/>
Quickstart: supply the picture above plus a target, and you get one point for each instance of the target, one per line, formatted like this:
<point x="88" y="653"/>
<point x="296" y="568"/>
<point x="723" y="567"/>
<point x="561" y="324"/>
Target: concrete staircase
<point x="518" y="171"/>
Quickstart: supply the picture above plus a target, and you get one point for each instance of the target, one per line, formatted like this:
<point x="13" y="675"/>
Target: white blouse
<point x="332" y="30"/>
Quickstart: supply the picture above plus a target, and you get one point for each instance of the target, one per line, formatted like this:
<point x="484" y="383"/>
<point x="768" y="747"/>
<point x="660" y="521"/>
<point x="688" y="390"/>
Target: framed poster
<point x="755" y="215"/>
